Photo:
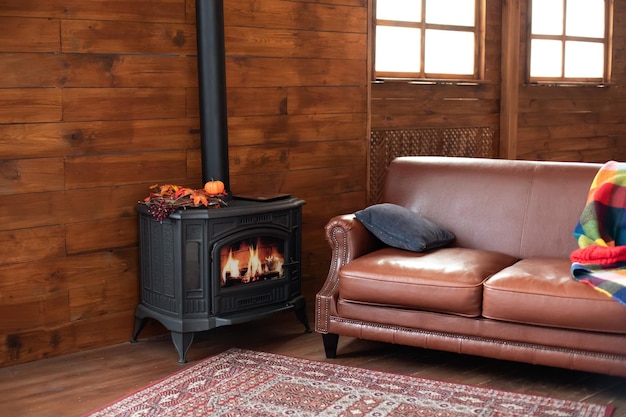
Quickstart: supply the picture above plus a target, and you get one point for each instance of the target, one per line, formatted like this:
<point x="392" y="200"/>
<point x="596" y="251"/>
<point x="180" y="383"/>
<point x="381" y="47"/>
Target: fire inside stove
<point x="252" y="260"/>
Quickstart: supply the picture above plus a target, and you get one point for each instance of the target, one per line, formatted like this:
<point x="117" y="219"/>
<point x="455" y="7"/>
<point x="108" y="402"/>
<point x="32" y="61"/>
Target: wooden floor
<point x="76" y="384"/>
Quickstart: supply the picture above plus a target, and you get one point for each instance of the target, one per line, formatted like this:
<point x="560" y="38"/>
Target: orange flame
<point x="231" y="268"/>
<point x="255" y="263"/>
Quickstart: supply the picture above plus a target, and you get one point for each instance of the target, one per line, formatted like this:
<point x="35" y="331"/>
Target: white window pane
<point x="449" y="52"/>
<point x="397" y="49"/>
<point x="450" y="12"/>
<point x="403" y="10"/>
<point x="545" y="58"/>
<point x="585" y="18"/>
<point x="584" y="60"/>
<point x="547" y="17"/>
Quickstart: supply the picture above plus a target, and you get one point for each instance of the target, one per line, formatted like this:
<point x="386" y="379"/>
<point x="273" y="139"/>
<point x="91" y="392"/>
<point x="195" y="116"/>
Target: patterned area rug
<point x="246" y="383"/>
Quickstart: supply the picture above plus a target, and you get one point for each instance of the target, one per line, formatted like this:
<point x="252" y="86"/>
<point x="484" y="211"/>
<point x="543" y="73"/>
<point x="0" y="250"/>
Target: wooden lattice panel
<point x="385" y="145"/>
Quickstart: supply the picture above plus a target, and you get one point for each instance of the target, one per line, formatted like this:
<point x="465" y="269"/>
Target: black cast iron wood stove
<point x="205" y="268"/>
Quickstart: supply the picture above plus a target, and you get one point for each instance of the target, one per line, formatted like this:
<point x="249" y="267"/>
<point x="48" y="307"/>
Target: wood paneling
<point x="537" y="122"/>
<point x="266" y="101"/>
<point x="92" y="171"/>
<point x="41" y="311"/>
<point x="60" y="274"/>
<point x="43" y="104"/>
<point x="21" y="34"/>
<point x="99" y="100"/>
<point x="400" y="105"/>
<point x="31" y="245"/>
<point x="114" y="10"/>
<point x="574" y="123"/>
<point x="509" y="94"/>
<point x="21" y="69"/>
<point x="21" y="176"/>
<point x="342" y="16"/>
<point x="39" y="140"/>
<point x="81" y="104"/>
<point x="85" y="36"/>
<point x="112" y="233"/>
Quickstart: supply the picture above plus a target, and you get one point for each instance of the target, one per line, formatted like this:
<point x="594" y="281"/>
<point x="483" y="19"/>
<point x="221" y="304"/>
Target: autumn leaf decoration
<point x="166" y="199"/>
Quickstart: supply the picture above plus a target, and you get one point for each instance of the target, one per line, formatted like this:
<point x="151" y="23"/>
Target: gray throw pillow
<point x="401" y="228"/>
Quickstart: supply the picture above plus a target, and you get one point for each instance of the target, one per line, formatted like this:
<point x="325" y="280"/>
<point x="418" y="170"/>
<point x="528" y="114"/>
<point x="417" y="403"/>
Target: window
<point x="428" y="39"/>
<point x="570" y="41"/>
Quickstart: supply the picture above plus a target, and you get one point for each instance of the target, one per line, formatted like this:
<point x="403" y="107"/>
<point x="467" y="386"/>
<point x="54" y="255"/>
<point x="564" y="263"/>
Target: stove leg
<point x="139" y="324"/>
<point x="182" y="342"/>
<point x="299" y="305"/>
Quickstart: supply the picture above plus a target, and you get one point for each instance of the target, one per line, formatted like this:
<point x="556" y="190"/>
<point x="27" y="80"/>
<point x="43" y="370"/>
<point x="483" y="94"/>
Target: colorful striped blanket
<point x="600" y="260"/>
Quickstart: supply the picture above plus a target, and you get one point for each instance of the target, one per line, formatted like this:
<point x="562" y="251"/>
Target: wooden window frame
<point x="479" y="47"/>
<point x="607" y="41"/>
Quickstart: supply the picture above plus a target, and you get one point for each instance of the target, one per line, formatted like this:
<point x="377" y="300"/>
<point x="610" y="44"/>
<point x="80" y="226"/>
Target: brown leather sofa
<point x="501" y="289"/>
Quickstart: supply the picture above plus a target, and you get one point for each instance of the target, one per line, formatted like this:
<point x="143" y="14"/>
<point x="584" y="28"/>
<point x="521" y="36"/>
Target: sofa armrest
<point x="348" y="239"/>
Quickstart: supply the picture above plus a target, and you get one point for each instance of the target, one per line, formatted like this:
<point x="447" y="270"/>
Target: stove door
<point x="253" y="268"/>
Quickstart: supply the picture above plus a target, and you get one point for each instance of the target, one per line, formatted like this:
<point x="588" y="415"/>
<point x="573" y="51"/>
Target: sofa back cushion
<point x="520" y="208"/>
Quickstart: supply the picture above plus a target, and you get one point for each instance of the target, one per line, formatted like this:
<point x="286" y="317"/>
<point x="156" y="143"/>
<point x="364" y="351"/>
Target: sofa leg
<point x="330" y="344"/>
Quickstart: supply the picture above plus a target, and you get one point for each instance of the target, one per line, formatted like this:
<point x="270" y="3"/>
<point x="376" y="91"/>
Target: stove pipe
<point x="212" y="91"/>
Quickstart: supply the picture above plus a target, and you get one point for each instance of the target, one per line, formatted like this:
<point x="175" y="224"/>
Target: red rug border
<point x="610" y="408"/>
<point x="158" y="381"/>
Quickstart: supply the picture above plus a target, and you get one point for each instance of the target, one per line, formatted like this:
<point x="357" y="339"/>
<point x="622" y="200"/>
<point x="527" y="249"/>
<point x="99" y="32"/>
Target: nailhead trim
<point x="483" y="339"/>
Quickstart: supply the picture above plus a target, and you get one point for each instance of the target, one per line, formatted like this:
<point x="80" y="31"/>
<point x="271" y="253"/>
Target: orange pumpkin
<point x="214" y="187"/>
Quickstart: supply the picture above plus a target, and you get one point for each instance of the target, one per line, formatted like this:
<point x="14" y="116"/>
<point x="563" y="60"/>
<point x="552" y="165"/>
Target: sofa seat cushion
<point x="540" y="291"/>
<point x="445" y="280"/>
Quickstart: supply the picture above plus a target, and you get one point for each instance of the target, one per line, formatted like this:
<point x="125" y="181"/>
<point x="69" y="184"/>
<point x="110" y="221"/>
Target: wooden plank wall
<point x="99" y="100"/>
<point x="413" y="106"/>
<point x="576" y="123"/>
<point x="553" y="123"/>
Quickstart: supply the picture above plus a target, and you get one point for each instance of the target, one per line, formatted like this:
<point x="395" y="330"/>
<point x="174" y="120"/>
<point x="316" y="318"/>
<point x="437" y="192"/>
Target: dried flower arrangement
<point x="166" y="199"/>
